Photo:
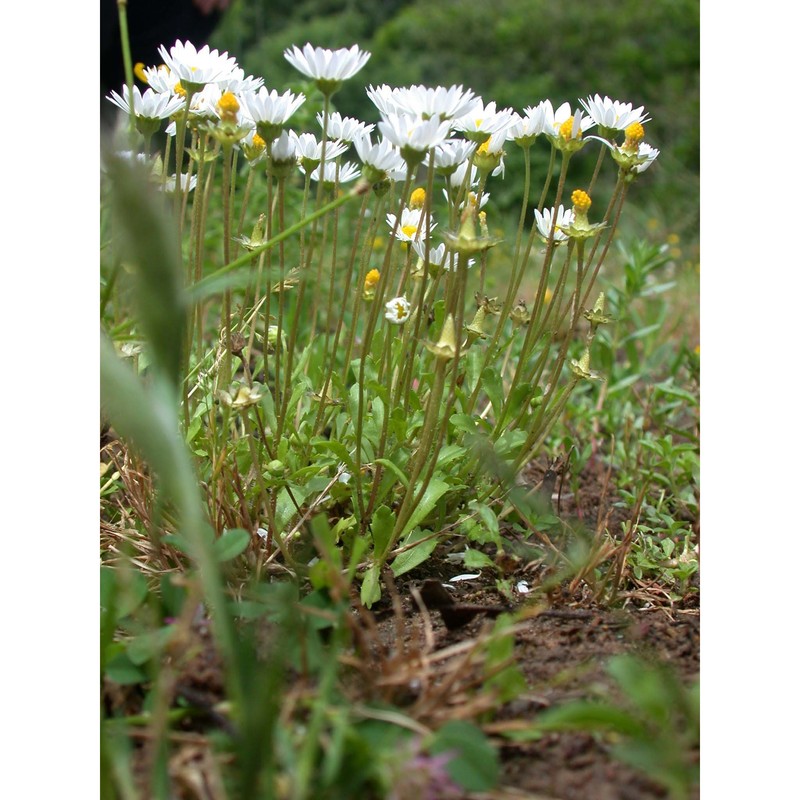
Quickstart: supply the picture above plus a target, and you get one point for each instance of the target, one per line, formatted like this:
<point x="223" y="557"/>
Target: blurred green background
<point x="516" y="52"/>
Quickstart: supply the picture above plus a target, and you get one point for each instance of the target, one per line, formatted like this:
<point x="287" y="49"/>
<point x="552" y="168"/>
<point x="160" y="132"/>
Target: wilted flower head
<point x="327" y="67"/>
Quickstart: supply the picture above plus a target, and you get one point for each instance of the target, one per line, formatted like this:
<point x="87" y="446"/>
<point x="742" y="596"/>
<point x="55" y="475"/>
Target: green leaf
<point x="232" y="543"/>
<point x="475" y="559"/>
<point x="582" y="715"/>
<point x="409" y="559"/>
<point x="475" y="765"/>
<point x="493" y="386"/>
<point x="394" y="469"/>
<point x="120" y="669"/>
<point x="149" y="644"/>
<point x="435" y="489"/>
<point x="371" y="586"/>
<point x="382" y="526"/>
<point x="149" y="242"/>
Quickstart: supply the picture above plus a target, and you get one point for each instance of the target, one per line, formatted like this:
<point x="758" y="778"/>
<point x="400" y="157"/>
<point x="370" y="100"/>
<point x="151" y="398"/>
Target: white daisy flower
<point x="413" y="135"/>
<point x="439" y="256"/>
<point x="333" y="173"/>
<point x="544" y="223"/>
<point x="413" y="224"/>
<point x="648" y="152"/>
<point x="398" y="310"/>
<point x="484" y="120"/>
<point x="344" y="129"/>
<point x="269" y="108"/>
<point x="238" y="84"/>
<point x="555" y="119"/>
<point x="160" y="79"/>
<point x="283" y="149"/>
<point x="151" y="105"/>
<point x="195" y="68"/>
<point x="420" y="101"/>
<point x="327" y="67"/>
<point x="171" y="181"/>
<point x="452" y="154"/>
<point x="611" y="114"/>
<point x="525" y="129"/>
<point x="309" y="150"/>
<point x="383" y="156"/>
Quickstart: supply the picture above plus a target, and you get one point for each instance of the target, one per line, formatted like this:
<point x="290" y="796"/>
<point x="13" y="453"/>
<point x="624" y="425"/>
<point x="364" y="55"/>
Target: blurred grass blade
<point x="148" y="242"/>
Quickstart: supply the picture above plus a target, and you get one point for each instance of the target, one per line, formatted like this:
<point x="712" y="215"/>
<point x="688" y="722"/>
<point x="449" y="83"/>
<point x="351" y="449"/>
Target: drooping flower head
<point x="328" y="68"/>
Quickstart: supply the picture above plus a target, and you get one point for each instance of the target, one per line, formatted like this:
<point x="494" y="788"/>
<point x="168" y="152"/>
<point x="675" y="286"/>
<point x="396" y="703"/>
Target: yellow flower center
<point x="581" y="201"/>
<point x="483" y="149"/>
<point x="258" y="142"/>
<point x="417" y="198"/>
<point x="228" y="107"/>
<point x="178" y="89"/>
<point x="138" y="71"/>
<point x="565" y="129"/>
<point x="373" y="276"/>
<point x="400" y="310"/>
<point x="409" y="230"/>
<point x="634" y="134"/>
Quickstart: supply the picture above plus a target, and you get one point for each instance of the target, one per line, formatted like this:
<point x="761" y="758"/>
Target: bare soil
<point x="562" y="654"/>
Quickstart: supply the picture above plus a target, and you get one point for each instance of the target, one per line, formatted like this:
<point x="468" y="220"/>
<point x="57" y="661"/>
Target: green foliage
<point x="655" y="725"/>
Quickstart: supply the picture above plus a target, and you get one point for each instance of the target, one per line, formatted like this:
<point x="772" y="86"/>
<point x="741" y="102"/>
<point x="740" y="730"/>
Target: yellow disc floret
<point x="634" y="134"/>
<point x="258" y="142"/>
<point x="409" y="230"/>
<point x="417" y="198"/>
<point x="228" y="106"/>
<point x="138" y="71"/>
<point x="373" y="276"/>
<point x="565" y="129"/>
<point x="178" y="89"/>
<point x="581" y="201"/>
